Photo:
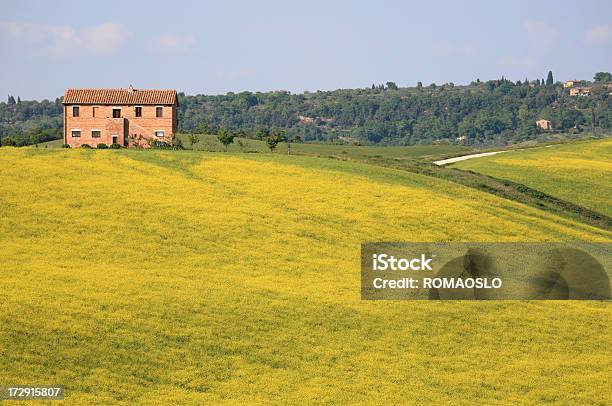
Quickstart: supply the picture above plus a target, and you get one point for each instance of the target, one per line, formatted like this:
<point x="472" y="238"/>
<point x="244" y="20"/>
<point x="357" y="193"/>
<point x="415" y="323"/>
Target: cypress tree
<point x="549" y="79"/>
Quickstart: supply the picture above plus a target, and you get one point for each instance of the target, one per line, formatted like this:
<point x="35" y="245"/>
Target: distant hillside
<point x="482" y="113"/>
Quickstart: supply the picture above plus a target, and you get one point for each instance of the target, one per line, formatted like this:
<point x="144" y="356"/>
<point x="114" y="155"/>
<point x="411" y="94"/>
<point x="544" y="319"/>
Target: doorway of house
<point x="115" y="137"/>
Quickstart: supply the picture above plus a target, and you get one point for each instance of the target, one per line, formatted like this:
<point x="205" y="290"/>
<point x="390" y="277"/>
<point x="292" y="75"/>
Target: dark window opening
<point x="116" y="113"/>
<point x="138" y="111"/>
<point x="159" y="112"/>
<point x="75" y="111"/>
<point x="95" y="133"/>
<point x="76" y="133"/>
<point x="94" y="111"/>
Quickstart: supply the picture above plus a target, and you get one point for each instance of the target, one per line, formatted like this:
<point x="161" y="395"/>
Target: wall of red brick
<point x="128" y="129"/>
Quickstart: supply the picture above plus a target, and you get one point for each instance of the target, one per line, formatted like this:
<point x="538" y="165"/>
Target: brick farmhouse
<point x="128" y="117"/>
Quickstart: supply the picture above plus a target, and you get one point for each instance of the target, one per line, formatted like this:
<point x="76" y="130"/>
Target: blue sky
<point x="217" y="47"/>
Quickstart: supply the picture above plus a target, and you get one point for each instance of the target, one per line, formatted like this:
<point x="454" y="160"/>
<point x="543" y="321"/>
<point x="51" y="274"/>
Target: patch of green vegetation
<point x="51" y="144"/>
<point x="207" y="142"/>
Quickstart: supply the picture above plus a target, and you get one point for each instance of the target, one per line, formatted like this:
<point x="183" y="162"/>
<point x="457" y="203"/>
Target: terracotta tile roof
<point x="119" y="96"/>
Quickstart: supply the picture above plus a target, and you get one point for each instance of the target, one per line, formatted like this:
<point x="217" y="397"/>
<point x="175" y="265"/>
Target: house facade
<point x="544" y="124"/>
<point x="580" y="91"/>
<point x="571" y="83"/>
<point x="128" y="117"/>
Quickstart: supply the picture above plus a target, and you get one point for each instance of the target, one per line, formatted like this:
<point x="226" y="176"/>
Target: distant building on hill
<point x="580" y="91"/>
<point x="128" y="117"/>
<point x="306" y="120"/>
<point x="314" y="120"/>
<point x="571" y="83"/>
<point x="544" y="124"/>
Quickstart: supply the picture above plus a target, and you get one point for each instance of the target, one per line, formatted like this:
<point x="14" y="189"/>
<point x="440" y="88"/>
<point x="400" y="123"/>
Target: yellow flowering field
<point x="579" y="172"/>
<point x="163" y="277"/>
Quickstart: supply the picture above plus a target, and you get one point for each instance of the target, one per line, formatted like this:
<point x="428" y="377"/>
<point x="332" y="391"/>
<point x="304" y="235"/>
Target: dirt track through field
<point x="479" y="155"/>
<point x="466" y="157"/>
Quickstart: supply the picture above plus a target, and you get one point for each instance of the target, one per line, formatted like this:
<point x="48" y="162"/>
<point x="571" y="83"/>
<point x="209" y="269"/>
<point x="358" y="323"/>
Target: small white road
<point x="466" y="157"/>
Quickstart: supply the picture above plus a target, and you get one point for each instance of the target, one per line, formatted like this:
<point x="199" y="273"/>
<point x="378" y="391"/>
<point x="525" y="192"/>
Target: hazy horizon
<point x="211" y="48"/>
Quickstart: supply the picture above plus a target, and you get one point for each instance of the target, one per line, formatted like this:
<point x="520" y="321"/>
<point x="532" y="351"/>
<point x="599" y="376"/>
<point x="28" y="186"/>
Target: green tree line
<point x="481" y="113"/>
